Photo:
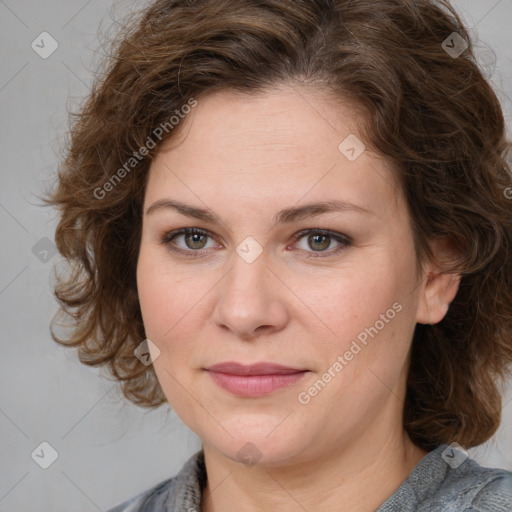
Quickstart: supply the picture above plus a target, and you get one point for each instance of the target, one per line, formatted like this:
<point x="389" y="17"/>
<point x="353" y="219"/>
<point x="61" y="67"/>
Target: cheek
<point x="163" y="295"/>
<point x="348" y="301"/>
<point x="164" y="306"/>
<point x="172" y="303"/>
<point x="367" y="315"/>
<point x="153" y="297"/>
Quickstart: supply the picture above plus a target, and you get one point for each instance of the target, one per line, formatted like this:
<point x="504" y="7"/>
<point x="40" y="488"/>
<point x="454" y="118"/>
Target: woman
<point x="290" y="220"/>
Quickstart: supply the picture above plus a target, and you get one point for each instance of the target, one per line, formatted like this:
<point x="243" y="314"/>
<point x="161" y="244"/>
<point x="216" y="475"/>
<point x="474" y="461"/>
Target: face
<point x="332" y="294"/>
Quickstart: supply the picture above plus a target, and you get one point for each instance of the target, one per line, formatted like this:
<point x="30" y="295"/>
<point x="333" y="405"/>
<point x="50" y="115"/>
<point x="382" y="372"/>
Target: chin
<point x="259" y="441"/>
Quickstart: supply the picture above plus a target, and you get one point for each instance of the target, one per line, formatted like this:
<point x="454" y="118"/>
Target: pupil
<point x="316" y="237"/>
<point x="195" y="238"/>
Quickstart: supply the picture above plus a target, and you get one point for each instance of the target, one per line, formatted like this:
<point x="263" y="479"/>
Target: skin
<point x="246" y="158"/>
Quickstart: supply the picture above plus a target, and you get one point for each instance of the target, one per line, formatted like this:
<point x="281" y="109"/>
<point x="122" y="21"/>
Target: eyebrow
<point x="287" y="215"/>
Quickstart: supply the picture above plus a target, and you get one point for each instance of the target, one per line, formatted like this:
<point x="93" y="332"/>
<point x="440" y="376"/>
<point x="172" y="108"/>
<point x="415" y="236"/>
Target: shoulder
<point x="494" y="494"/>
<point x="147" y="500"/>
<point x="447" y="479"/>
<point x="466" y="486"/>
<point x="181" y="492"/>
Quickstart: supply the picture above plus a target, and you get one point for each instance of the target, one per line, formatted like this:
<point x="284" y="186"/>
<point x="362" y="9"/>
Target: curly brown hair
<point x="427" y="109"/>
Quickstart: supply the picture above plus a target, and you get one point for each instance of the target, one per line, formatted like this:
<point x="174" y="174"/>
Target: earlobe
<point x="439" y="287"/>
<point x="439" y="290"/>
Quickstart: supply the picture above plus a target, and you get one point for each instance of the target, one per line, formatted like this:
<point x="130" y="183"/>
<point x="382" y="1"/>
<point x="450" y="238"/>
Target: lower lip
<point x="253" y="386"/>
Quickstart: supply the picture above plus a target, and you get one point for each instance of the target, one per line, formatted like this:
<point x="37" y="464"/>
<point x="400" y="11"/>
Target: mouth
<point x="255" y="380"/>
<point x="263" y="368"/>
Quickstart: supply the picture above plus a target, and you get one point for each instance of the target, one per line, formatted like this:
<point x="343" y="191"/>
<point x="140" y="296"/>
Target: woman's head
<point x="244" y="110"/>
<point x="247" y="289"/>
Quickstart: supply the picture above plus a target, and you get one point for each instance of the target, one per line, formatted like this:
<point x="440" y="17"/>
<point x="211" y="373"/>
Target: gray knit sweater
<point x="443" y="481"/>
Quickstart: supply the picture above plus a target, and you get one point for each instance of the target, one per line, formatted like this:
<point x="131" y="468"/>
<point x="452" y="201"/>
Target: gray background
<point x="108" y="450"/>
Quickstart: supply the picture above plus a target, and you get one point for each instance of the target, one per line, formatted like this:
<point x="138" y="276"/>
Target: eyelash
<point x="342" y="239"/>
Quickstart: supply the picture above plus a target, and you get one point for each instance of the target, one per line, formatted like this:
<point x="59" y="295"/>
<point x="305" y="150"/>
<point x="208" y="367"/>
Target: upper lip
<point x="263" y="368"/>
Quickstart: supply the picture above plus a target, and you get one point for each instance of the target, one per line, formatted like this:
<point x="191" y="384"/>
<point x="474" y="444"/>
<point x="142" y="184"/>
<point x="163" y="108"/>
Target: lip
<point x="262" y="368"/>
<point x="256" y="380"/>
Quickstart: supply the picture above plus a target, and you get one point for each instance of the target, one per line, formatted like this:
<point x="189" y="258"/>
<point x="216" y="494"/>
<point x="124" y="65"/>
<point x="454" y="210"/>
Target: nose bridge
<point x="249" y="298"/>
<point x="248" y="266"/>
<point x="248" y="279"/>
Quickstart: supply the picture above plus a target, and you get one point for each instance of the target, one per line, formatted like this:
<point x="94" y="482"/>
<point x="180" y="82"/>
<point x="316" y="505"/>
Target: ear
<point x="438" y="289"/>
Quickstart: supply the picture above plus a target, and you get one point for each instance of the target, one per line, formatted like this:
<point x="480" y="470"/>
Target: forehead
<point x="275" y="120"/>
<point x="279" y="146"/>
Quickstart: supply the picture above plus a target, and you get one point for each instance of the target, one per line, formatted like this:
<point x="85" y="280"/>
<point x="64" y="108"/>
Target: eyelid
<point x="344" y="240"/>
<point x="168" y="236"/>
<point x="322" y="231"/>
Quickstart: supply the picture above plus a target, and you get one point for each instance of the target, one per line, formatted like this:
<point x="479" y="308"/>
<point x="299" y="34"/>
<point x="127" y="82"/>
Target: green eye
<point x="318" y="240"/>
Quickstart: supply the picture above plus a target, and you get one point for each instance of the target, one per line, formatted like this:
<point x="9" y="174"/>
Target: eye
<point x="320" y="240"/>
<point x="195" y="240"/>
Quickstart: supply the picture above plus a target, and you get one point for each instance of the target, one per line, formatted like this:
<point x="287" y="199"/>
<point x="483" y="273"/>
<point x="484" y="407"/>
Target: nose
<point x="251" y="299"/>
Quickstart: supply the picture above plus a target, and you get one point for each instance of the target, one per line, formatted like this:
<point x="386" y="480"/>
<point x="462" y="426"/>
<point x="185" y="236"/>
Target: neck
<point x="359" y="477"/>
